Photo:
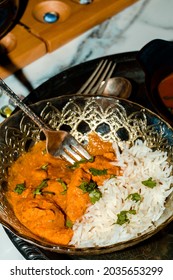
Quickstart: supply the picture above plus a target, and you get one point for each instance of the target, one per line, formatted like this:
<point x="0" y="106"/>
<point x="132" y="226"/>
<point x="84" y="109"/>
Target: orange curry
<point x="48" y="195"/>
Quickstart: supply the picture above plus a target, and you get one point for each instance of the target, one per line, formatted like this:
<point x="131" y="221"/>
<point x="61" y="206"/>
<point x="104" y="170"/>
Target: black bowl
<point x="156" y="59"/>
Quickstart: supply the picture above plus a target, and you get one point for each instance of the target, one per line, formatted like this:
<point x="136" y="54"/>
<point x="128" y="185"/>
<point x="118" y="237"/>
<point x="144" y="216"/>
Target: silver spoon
<point x="118" y="87"/>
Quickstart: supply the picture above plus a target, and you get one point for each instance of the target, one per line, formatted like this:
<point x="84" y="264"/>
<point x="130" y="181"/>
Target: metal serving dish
<point x="115" y="119"/>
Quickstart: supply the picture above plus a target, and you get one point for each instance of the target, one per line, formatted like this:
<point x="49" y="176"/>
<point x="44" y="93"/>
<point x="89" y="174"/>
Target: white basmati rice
<point x="98" y="226"/>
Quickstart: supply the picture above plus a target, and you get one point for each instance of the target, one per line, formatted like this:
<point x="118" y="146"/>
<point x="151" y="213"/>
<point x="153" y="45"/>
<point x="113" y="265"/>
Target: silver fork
<point x="58" y="143"/>
<point x="98" y="79"/>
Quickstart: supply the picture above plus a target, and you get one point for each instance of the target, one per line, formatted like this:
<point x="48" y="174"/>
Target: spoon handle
<point x="14" y="97"/>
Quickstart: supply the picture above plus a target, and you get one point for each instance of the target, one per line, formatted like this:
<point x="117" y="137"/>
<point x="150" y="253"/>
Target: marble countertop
<point x="127" y="31"/>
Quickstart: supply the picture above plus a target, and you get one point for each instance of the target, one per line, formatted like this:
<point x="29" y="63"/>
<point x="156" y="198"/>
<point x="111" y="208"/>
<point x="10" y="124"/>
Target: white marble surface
<point x="128" y="31"/>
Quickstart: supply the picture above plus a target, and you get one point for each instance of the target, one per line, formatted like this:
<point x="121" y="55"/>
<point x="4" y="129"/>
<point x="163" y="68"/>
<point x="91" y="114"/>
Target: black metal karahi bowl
<point x="156" y="60"/>
<point x="114" y="119"/>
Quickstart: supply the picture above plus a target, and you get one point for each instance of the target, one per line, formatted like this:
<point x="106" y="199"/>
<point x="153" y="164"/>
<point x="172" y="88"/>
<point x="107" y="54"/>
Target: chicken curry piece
<point x="48" y="195"/>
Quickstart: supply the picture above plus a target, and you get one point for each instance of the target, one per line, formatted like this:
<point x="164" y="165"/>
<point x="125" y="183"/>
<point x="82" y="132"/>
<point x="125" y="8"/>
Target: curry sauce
<point x="48" y="194"/>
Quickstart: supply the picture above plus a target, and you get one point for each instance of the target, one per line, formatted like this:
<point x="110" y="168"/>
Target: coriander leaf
<point x="91" y="188"/>
<point x="135" y="197"/>
<point x="69" y="224"/>
<point x="43" y="184"/>
<point x="39" y="189"/>
<point x="63" y="184"/>
<point x="91" y="159"/>
<point x="122" y="217"/>
<point x="44" y="166"/>
<point x="133" y="212"/>
<point x="48" y="192"/>
<point x="150" y="183"/>
<point x="74" y="166"/>
<point x="95" y="195"/>
<point x="98" y="172"/>
<point x="20" y="188"/>
<point x="77" y="163"/>
<point x="83" y="186"/>
<point x="88" y="186"/>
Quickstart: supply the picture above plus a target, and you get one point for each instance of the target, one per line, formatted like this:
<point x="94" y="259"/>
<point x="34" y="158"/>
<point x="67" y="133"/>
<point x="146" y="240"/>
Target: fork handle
<point x="14" y="97"/>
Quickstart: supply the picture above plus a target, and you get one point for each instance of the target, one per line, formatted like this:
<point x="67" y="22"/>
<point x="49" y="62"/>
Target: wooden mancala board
<point x="48" y="25"/>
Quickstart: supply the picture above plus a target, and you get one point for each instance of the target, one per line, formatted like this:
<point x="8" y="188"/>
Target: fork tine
<point x="72" y="151"/>
<point x="101" y="77"/>
<point x="68" y="158"/>
<point x="91" y="79"/>
<point x="78" y="147"/>
<point x="101" y="89"/>
<point x="102" y="73"/>
<point x="109" y="70"/>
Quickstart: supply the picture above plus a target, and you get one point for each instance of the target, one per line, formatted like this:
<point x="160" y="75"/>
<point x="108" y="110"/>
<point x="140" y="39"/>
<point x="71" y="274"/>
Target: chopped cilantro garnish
<point x="95" y="195"/>
<point x="91" y="188"/>
<point x="133" y="212"/>
<point x="91" y="159"/>
<point x="122" y="217"/>
<point x="83" y="186"/>
<point x="44" y="166"/>
<point x="98" y="172"/>
<point x="135" y="197"/>
<point x="63" y="184"/>
<point x="77" y="163"/>
<point x="69" y="224"/>
<point x="39" y="189"/>
<point x="20" y="188"/>
<point x="150" y="183"/>
<point x="88" y="186"/>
